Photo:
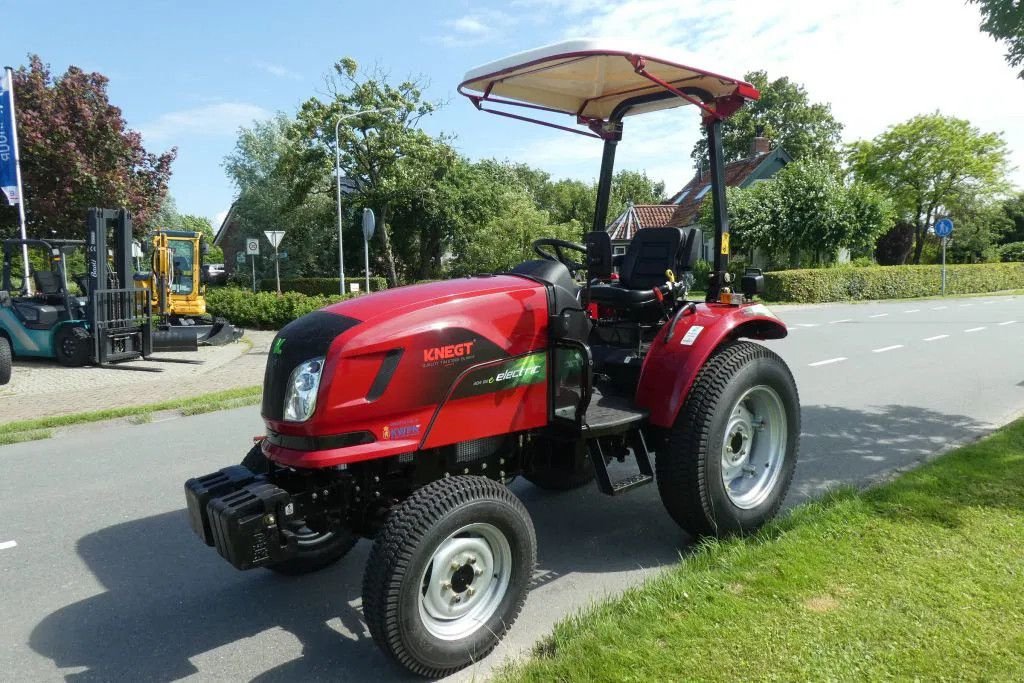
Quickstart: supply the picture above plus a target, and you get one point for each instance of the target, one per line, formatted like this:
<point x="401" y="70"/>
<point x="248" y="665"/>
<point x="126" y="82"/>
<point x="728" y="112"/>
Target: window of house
<point x="703" y="191"/>
<point x="679" y="200"/>
<point x="619" y="251"/>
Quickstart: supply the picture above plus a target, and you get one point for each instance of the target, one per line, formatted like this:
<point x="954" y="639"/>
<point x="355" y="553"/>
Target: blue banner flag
<point x="8" y="143"/>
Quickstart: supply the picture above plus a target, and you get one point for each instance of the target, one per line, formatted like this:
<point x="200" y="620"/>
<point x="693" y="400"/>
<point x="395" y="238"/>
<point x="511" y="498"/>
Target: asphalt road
<point x="107" y="582"/>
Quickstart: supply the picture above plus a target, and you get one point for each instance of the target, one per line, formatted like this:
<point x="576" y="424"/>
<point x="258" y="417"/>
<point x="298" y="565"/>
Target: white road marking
<point x="1008" y="322"/>
<point x="807" y="324"/>
<point x="965" y="305"/>
<point x="8" y="544"/>
<point x="936" y="337"/>
<point x="940" y="308"/>
<point x="987" y="302"/>
<point x="913" y="310"/>
<point x="844" y="320"/>
<point x="887" y="348"/>
<point x="878" y="315"/>
<point x="975" y="329"/>
<point x="827" y="362"/>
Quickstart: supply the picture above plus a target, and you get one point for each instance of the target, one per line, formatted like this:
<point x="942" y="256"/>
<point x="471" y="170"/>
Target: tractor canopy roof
<point x="599" y="82"/>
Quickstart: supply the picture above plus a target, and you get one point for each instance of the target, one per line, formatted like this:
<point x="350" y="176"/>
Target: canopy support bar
<point x="604" y="184"/>
<point x="721" y="218"/>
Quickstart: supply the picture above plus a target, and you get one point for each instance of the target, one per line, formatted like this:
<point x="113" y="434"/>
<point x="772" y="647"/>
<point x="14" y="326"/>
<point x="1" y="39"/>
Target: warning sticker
<point x="691" y="335"/>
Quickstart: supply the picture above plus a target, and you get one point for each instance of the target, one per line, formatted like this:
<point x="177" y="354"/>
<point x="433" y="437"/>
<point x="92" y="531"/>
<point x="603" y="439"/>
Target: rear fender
<point x="680" y="351"/>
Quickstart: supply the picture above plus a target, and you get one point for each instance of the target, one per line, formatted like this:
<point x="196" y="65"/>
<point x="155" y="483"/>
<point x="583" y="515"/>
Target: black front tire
<point x="319" y="550"/>
<point x="5" y="360"/>
<point x="401" y="570"/>
<point x="72" y="346"/>
<point x="689" y="465"/>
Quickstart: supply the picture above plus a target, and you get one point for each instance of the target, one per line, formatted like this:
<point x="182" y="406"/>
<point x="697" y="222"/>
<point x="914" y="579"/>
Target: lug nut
<point x="456" y="566"/>
<point x="268" y="519"/>
<point x="483" y="466"/>
<point x="465" y="471"/>
<point x="477" y="571"/>
<point x="445" y="586"/>
<point x="376" y="480"/>
<point x="472" y="560"/>
<point x="314" y="495"/>
<point x="457" y="598"/>
<point x="470" y="591"/>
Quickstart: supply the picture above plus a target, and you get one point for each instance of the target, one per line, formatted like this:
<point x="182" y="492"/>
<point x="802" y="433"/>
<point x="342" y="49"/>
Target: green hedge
<point x="326" y="286"/>
<point x="889" y="282"/>
<point x="263" y="310"/>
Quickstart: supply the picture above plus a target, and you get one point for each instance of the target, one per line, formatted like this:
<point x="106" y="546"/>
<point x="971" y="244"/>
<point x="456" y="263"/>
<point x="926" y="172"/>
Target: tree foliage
<point x="804" y="213"/>
<point x="77" y="152"/>
<point x="929" y="165"/>
<point x="786" y="116"/>
<point x="1004" y="20"/>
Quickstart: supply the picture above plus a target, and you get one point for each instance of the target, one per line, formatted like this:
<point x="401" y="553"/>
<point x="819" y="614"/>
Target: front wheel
<point x="72" y="346"/>
<point x="320" y="544"/>
<point x="448" y="574"/>
<point x="5" y="360"/>
<point x="728" y="461"/>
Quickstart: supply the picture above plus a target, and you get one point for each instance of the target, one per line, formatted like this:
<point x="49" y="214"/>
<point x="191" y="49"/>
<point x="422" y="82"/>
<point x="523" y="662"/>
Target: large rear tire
<point x="72" y="345"/>
<point x="318" y="547"/>
<point x="448" y="574"/>
<point x="5" y="360"/>
<point x="728" y="462"/>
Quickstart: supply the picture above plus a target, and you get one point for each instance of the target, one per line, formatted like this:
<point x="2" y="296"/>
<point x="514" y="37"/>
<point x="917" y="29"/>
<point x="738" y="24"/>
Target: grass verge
<point x="41" y="428"/>
<point x="916" y="579"/>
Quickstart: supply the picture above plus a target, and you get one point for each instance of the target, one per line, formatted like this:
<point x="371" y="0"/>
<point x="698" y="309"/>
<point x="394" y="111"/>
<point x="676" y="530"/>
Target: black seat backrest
<point x="655" y="250"/>
<point x="47" y="282"/>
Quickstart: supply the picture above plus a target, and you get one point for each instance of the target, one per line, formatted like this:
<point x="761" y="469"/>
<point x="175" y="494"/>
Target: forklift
<point x="111" y="323"/>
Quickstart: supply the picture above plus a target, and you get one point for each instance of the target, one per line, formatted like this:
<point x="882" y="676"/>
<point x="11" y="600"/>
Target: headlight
<point x="300" y="398"/>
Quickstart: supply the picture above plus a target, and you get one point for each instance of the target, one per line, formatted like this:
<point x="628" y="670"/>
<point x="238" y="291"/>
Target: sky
<point x="188" y="74"/>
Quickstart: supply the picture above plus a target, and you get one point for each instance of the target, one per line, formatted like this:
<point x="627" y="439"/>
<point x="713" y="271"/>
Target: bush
<point x="1013" y="251"/>
<point x="263" y="310"/>
<point x="325" y="286"/>
<point x="889" y="282"/>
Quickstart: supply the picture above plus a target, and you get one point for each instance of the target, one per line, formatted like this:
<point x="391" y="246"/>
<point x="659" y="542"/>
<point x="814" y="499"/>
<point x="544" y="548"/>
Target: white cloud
<point x="277" y="70"/>
<point x="877" y="63"/>
<point x="475" y="28"/>
<point x="221" y="119"/>
<point x="218" y="219"/>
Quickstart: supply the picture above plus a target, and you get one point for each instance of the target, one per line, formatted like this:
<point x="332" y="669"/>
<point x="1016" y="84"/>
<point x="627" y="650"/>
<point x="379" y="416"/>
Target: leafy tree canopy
<point x="77" y="152"/>
<point x="786" y="116"/>
<point x="1004" y="20"/>
<point x="929" y="165"/>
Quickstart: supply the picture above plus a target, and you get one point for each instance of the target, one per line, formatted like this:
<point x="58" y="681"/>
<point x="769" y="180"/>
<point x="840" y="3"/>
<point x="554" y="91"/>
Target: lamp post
<point x="337" y="181"/>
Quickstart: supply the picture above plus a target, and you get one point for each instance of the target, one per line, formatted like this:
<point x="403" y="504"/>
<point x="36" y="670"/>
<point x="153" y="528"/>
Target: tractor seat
<point x="650" y="254"/>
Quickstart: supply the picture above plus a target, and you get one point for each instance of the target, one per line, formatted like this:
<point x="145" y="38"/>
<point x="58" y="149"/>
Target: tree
<point x="804" y="212"/>
<point x="1014" y="210"/>
<point x="373" y="145"/>
<point x="784" y="115"/>
<point x="980" y="227"/>
<point x="928" y="164"/>
<point x="77" y="152"/>
<point x="1004" y="20"/>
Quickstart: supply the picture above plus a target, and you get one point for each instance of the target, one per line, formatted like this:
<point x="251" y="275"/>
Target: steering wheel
<point x="558" y="246"/>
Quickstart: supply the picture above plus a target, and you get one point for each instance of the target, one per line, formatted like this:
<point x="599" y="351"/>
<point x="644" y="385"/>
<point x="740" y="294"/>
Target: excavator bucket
<point x="219" y="333"/>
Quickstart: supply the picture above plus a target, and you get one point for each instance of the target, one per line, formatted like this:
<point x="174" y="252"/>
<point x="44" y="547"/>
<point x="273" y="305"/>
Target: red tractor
<point x="402" y="416"/>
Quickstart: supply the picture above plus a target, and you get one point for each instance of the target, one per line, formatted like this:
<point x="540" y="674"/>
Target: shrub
<point x="263" y="310"/>
<point x="890" y="282"/>
<point x="325" y="286"/>
<point x="1013" y="251"/>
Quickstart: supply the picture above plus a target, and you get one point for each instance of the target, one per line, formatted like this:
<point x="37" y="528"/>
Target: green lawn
<point x="922" y="578"/>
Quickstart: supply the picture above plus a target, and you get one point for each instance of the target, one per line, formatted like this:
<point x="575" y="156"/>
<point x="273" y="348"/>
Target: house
<point x="230" y="239"/>
<point x="683" y="208"/>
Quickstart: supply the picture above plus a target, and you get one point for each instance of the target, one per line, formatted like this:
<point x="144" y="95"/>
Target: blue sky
<point x="188" y="74"/>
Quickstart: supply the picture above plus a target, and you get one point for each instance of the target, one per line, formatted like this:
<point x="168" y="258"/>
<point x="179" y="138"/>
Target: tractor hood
<point x="392" y="358"/>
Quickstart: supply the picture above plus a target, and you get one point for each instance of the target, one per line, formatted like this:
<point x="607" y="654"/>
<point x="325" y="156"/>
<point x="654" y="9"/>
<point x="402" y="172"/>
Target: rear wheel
<point x="5" y="360"/>
<point x="72" y="345"/>
<point x="319" y="546"/>
<point x="728" y="461"/>
<point x="448" y="574"/>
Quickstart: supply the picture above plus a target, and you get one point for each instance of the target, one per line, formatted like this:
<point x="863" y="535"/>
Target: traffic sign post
<point x="943" y="229"/>
<point x="369" y="223"/>
<point x="275" y="237"/>
<point x="252" y="249"/>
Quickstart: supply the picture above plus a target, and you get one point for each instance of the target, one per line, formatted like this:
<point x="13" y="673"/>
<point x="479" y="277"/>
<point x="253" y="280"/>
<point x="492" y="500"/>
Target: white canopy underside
<point x="589" y="78"/>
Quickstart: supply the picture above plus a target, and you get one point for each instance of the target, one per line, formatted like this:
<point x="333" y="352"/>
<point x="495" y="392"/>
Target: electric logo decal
<point x="512" y="374"/>
<point x="278" y="345"/>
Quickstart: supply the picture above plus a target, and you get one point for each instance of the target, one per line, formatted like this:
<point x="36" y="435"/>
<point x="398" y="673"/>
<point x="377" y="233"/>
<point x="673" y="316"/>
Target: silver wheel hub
<point x="465" y="581"/>
<point x="754" y="447"/>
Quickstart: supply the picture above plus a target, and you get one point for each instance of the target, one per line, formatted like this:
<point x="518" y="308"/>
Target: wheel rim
<point x="754" y="447"/>
<point x="465" y="581"/>
<point x="67" y="345"/>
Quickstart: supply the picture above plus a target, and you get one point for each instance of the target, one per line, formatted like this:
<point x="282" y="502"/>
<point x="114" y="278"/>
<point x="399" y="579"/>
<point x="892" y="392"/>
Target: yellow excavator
<point x="178" y="290"/>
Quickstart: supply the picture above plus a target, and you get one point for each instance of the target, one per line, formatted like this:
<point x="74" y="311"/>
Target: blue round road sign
<point x="944" y="227"/>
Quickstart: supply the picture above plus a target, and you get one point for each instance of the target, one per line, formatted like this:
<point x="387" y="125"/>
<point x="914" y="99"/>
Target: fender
<point x="673" y="361"/>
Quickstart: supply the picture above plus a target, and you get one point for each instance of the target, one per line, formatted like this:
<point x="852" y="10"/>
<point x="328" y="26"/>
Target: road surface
<point x="102" y="579"/>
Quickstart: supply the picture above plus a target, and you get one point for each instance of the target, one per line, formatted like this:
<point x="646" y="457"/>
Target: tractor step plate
<point x="611" y="415"/>
<point x="638" y="446"/>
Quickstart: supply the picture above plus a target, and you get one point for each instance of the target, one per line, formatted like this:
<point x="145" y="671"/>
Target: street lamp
<point x="337" y="180"/>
